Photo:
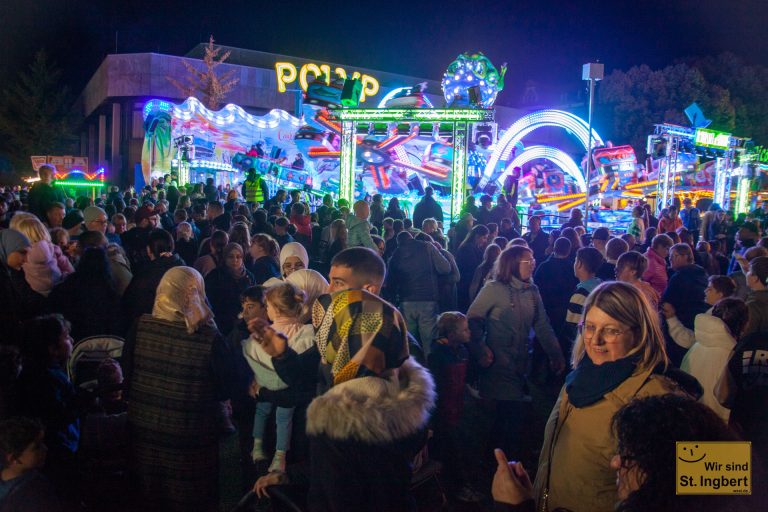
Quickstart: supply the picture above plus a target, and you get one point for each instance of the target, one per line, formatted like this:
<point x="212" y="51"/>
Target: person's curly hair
<point x="647" y="430"/>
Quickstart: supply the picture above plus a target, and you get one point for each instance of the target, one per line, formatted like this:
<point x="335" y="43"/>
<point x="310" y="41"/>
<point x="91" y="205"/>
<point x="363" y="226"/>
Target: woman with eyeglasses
<point x="501" y="318"/>
<point x="619" y="355"/>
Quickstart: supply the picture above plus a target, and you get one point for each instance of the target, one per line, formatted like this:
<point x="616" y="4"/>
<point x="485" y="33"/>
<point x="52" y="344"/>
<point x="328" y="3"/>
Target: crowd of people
<point x="344" y="346"/>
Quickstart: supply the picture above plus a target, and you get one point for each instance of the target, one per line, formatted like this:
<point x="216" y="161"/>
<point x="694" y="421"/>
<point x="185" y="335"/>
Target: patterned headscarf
<point x="181" y="298"/>
<point x="359" y="334"/>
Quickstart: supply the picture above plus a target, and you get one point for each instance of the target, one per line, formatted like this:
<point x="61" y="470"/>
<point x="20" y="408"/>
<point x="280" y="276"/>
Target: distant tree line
<point x="730" y="92"/>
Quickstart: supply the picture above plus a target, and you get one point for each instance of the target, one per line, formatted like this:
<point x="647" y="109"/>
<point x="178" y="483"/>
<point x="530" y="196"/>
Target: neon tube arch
<point x="554" y="155"/>
<point x="533" y="121"/>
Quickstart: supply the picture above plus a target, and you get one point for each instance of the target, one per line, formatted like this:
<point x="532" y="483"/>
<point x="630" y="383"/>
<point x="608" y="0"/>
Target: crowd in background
<point x="350" y="346"/>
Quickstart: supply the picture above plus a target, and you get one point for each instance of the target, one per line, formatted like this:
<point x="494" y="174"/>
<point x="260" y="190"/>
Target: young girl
<point x="285" y="303"/>
<point x="46" y="265"/>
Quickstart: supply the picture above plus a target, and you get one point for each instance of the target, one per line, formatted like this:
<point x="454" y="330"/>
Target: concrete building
<point x="114" y="97"/>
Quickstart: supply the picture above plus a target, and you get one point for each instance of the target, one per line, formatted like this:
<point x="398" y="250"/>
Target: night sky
<point x="544" y="41"/>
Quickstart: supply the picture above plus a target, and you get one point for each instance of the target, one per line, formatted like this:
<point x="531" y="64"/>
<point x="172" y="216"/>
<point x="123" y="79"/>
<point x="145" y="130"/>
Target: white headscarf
<point x="313" y="284"/>
<point x="293" y="249"/>
<point x="181" y="297"/>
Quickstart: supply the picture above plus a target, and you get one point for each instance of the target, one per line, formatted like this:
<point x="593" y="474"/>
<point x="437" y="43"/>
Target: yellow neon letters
<point x="287" y="73"/>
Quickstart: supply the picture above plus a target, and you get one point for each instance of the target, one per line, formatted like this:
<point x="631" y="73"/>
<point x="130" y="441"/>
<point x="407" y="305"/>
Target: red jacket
<point x="666" y="224"/>
<point x="656" y="273"/>
<point x="303" y="225"/>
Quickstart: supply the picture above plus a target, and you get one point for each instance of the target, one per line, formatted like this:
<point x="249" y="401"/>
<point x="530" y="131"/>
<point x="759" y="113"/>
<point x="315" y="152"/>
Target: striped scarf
<point x="358" y="334"/>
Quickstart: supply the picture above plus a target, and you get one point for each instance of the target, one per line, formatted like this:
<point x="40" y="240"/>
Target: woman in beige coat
<point x="619" y="355"/>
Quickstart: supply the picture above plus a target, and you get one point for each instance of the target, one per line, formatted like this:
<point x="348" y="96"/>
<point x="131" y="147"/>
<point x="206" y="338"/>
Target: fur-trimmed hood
<point x="374" y="410"/>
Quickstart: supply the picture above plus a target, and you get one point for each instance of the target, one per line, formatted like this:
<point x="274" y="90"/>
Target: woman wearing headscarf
<point x="293" y="257"/>
<point x="225" y="283"/>
<point x="172" y="392"/>
<point x="313" y="284"/>
<point x="18" y="302"/>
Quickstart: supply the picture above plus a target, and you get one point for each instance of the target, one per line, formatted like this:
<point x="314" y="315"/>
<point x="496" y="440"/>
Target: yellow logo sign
<point x="288" y="72"/>
<point x="714" y="467"/>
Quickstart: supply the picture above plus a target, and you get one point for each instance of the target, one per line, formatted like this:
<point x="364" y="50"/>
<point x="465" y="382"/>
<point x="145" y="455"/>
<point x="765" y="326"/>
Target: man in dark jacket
<point x="556" y="282"/>
<point x="380" y="380"/>
<point x="43" y="193"/>
<point x="412" y="281"/>
<point x="537" y="238"/>
<point x="685" y="291"/>
<point x="427" y="208"/>
<point x="135" y="240"/>
<point x="139" y="297"/>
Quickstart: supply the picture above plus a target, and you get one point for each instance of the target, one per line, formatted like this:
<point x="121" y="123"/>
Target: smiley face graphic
<point x="693" y="450"/>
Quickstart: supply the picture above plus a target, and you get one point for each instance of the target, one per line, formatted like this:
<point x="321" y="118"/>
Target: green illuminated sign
<point x="415" y="114"/>
<point x="712" y="139"/>
<point x="761" y="154"/>
<point x="94" y="184"/>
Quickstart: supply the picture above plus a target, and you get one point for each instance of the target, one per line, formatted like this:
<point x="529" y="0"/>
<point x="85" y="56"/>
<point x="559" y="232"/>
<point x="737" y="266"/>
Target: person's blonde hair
<point x="18" y="217"/>
<point x="33" y="229"/>
<point x="627" y="305"/>
<point x="287" y="299"/>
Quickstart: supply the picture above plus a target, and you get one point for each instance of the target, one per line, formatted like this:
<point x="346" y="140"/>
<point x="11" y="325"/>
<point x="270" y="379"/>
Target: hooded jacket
<point x="708" y="358"/>
<point x="413" y="271"/>
<point x="656" y="273"/>
<point x="359" y="233"/>
<point x="501" y="317"/>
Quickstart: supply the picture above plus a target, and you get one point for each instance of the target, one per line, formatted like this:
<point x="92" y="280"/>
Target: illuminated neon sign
<point x="761" y="154"/>
<point x="287" y="73"/>
<point x="712" y="139"/>
<point x="415" y="114"/>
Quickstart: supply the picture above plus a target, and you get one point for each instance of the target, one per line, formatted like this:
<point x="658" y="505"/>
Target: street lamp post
<point x="592" y="72"/>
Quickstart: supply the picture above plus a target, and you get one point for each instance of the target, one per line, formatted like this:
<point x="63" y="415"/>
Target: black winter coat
<point x="139" y="298"/>
<point x="425" y="209"/>
<point x="223" y="291"/>
<point x="413" y="272"/>
<point x="18" y="302"/>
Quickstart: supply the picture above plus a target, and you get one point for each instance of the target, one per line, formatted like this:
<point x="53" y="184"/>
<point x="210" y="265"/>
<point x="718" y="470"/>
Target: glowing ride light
<point x="287" y="72"/>
<point x="554" y="155"/>
<point x="533" y="121"/>
<point x="413" y="114"/>
<point x="394" y="92"/>
<point x="231" y="113"/>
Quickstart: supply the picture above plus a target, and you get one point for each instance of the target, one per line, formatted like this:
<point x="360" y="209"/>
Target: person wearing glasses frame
<point x="619" y="355"/>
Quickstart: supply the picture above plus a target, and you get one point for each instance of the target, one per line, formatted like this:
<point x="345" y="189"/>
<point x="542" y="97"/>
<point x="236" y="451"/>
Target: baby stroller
<point x="103" y="449"/>
<point x="88" y="354"/>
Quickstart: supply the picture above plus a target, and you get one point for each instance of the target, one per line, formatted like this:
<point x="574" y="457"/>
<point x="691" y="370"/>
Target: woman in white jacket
<point x="716" y="335"/>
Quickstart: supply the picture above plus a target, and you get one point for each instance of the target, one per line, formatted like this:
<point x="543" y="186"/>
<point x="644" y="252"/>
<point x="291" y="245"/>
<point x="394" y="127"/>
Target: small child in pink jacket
<point x="46" y="265"/>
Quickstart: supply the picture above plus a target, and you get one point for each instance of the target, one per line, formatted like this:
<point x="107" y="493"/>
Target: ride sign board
<point x="712" y="139"/>
<point x="288" y="72"/>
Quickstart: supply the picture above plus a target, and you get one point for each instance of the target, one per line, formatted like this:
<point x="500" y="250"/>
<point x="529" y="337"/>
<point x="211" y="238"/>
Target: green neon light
<point x="459" y="169"/>
<point x="413" y="114"/>
<point x="348" y="161"/>
<point x="742" y="196"/>
<point x="712" y="139"/>
<point x="79" y="184"/>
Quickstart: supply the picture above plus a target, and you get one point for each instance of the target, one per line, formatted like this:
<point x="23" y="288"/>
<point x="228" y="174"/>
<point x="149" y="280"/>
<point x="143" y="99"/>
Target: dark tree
<point x="36" y="115"/>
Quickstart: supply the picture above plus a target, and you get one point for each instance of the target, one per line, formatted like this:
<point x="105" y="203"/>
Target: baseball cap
<point x="144" y="212"/>
<point x="72" y="219"/>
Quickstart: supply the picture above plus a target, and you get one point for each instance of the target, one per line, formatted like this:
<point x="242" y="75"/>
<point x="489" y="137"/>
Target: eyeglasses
<point x="609" y="334"/>
<point x="530" y="262"/>
<point x="293" y="266"/>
